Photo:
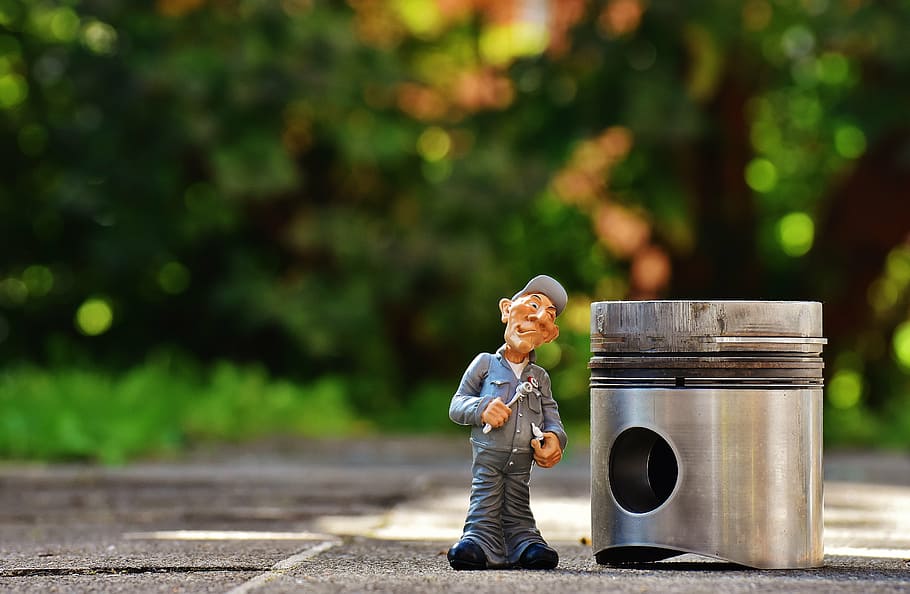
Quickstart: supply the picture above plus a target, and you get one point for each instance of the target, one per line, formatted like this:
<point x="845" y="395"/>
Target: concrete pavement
<point x="378" y="515"/>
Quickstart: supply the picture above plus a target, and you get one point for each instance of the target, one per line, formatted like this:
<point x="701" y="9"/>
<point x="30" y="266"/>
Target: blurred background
<point x="223" y="220"/>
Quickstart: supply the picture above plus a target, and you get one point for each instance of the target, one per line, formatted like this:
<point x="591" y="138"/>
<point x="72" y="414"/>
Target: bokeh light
<point x="174" y="278"/>
<point x="797" y="41"/>
<point x="621" y="229"/>
<point x="901" y="343"/>
<point x="707" y="63"/>
<point x="832" y="68"/>
<point x="883" y="294"/>
<point x="13" y="90"/>
<point x="94" y="316"/>
<point x="434" y="144"/>
<point x="38" y="279"/>
<point x="502" y="43"/>
<point x="806" y="111"/>
<point x="420" y="102"/>
<point x="422" y="17"/>
<point x="761" y="175"/>
<point x="13" y="291"/>
<point x="845" y="389"/>
<point x="849" y="141"/>
<point x="796" y="233"/>
<point x="548" y="355"/>
<point x="897" y="265"/>
<point x="650" y="271"/>
<point x="577" y="315"/>
<point x="620" y="17"/>
<point x="99" y="38"/>
<point x="54" y="24"/>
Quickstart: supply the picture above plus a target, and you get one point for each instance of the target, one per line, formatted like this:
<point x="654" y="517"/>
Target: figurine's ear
<point x="504" y="306"/>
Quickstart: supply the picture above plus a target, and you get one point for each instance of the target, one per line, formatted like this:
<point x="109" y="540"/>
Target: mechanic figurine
<point x="506" y="398"/>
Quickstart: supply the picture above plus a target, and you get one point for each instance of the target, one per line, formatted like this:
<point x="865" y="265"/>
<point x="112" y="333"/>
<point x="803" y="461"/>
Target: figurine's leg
<point x="519" y="528"/>
<point x="483" y="525"/>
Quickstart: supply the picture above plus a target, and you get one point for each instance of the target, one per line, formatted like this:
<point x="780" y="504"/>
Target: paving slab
<point x="378" y="515"/>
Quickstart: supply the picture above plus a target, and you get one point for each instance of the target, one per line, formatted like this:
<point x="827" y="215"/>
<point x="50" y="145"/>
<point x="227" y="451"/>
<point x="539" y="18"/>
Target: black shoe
<point x="465" y="554"/>
<point x="538" y="556"/>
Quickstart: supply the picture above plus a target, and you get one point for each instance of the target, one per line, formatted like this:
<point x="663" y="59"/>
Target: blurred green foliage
<point x="341" y="192"/>
<point x="158" y="408"/>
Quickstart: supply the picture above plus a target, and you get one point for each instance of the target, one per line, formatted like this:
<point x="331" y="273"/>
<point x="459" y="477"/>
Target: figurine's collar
<point x="532" y="356"/>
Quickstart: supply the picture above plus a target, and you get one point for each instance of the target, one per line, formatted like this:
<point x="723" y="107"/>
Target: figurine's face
<point x="530" y="321"/>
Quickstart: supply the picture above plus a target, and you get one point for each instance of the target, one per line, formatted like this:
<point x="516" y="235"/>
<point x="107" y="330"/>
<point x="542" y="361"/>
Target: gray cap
<point x="548" y="286"/>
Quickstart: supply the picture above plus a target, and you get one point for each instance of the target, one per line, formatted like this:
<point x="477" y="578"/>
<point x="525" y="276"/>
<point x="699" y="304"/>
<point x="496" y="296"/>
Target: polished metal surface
<point x="749" y="475"/>
<point x="706" y="431"/>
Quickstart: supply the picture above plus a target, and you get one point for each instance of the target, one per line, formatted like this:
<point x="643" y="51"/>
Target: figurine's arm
<point x="552" y="423"/>
<point x="548" y="448"/>
<point x="468" y="404"/>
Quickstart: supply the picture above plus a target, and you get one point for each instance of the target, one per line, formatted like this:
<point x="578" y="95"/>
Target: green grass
<point x="860" y="427"/>
<point x="158" y="409"/>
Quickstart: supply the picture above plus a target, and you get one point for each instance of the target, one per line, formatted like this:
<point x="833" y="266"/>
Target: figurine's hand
<point x="548" y="454"/>
<point x="496" y="413"/>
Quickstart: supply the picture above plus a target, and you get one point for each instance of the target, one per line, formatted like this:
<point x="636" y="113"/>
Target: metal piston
<point x="706" y="431"/>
